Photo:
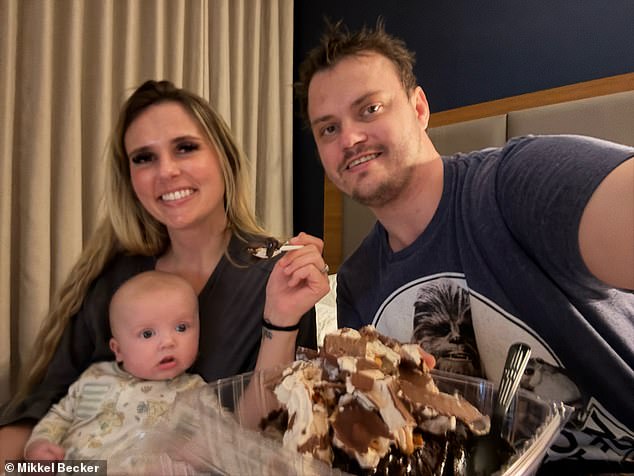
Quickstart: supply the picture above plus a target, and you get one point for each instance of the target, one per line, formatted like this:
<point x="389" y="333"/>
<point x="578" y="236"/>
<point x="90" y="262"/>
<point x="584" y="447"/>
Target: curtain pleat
<point x="66" y="142"/>
<point x="8" y="206"/>
<point x="33" y="165"/>
<point x="275" y="62"/>
<point x="66" y="66"/>
<point x="99" y="103"/>
<point x="218" y="60"/>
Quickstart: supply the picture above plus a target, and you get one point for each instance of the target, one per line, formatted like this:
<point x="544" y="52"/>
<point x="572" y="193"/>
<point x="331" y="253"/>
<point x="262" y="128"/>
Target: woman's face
<point x="174" y="169"/>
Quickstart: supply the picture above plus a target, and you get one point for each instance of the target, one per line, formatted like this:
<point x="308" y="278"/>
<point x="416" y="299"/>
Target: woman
<point x="177" y="201"/>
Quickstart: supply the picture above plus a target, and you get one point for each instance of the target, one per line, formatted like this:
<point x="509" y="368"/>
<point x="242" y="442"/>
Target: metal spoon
<point x="488" y="452"/>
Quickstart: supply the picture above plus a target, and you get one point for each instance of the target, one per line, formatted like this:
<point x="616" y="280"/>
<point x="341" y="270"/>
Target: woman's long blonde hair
<point x="127" y="227"/>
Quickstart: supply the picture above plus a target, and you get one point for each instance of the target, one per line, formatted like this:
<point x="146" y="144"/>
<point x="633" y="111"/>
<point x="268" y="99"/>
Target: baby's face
<point x="156" y="338"/>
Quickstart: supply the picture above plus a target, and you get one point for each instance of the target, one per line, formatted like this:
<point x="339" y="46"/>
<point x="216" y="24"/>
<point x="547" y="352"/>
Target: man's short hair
<point x="338" y="42"/>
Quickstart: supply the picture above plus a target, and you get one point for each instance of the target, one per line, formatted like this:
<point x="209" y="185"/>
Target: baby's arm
<point x="44" y="443"/>
<point x="45" y="438"/>
<point x="41" y="449"/>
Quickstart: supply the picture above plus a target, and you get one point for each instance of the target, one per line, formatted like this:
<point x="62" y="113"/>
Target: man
<point x="537" y="234"/>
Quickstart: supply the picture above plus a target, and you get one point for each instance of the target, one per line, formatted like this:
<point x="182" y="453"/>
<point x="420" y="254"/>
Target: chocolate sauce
<point x="440" y="456"/>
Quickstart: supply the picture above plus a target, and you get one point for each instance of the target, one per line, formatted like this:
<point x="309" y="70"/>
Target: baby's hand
<point x="44" y="450"/>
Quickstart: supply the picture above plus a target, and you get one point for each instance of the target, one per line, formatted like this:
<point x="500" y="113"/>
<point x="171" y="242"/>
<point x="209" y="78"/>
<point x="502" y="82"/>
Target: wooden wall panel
<point x="333" y="225"/>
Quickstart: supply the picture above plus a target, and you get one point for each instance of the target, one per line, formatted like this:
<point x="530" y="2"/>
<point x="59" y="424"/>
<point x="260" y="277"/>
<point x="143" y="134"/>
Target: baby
<point x="155" y="328"/>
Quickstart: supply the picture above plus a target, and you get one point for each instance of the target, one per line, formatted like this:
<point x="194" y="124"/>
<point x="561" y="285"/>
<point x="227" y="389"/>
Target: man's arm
<point x="606" y="231"/>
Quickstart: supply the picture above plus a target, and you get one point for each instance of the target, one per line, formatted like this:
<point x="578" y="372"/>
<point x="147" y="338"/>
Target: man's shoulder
<point x="570" y="144"/>
<point x="528" y="153"/>
<point x="537" y="144"/>
<point x="566" y="157"/>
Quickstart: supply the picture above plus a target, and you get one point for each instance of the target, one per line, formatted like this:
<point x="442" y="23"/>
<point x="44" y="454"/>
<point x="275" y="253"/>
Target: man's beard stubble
<point x="386" y="191"/>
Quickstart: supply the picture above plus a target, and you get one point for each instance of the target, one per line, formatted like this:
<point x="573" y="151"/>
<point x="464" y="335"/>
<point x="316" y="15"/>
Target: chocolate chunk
<point x="358" y="428"/>
<point x="346" y="342"/>
<point x="364" y="380"/>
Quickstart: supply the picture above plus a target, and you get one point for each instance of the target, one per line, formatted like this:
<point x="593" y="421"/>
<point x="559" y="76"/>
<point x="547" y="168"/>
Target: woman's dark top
<point x="231" y="306"/>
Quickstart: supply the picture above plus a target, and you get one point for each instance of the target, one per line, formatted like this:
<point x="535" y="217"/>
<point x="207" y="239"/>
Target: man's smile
<point x="362" y="160"/>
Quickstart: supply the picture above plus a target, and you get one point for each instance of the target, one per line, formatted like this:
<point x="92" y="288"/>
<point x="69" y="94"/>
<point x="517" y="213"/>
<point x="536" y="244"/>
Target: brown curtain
<point x="65" y="68"/>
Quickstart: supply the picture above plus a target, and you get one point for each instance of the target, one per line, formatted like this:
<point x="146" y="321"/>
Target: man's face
<point x="367" y="129"/>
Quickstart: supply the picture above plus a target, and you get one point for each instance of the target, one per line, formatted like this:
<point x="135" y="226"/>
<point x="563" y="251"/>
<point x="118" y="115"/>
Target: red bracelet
<point x="272" y="327"/>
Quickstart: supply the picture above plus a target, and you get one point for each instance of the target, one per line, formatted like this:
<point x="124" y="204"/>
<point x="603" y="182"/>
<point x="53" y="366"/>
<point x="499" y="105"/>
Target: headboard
<point x="601" y="108"/>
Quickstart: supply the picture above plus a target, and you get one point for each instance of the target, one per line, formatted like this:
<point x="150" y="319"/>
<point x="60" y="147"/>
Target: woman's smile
<point x="177" y="195"/>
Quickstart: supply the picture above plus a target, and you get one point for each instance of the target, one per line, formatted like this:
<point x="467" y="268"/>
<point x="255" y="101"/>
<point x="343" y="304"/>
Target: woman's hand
<point x="13" y="438"/>
<point x="298" y="280"/>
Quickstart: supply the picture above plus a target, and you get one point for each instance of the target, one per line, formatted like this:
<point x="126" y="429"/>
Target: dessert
<point x="269" y="247"/>
<point x="266" y="248"/>
<point x="367" y="404"/>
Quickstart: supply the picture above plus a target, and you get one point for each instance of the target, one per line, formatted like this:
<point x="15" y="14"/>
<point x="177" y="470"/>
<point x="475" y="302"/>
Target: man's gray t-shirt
<point x="500" y="263"/>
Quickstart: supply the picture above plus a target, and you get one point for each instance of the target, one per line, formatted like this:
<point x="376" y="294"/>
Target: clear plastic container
<point x="211" y="433"/>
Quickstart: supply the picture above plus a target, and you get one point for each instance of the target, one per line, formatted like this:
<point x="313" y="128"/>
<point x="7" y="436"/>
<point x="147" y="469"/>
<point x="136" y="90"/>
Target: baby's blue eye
<point x="147" y="333"/>
<point x="181" y="328"/>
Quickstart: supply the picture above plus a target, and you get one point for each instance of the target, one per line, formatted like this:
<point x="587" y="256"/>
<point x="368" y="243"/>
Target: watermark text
<point x="93" y="467"/>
